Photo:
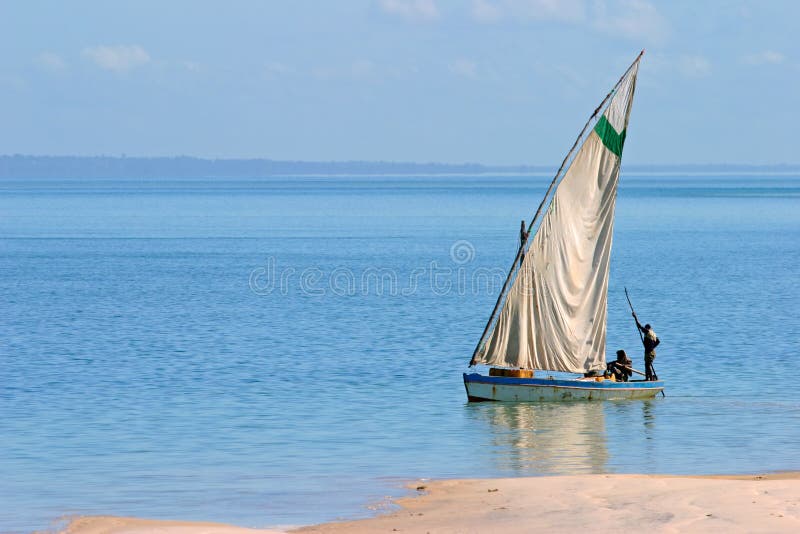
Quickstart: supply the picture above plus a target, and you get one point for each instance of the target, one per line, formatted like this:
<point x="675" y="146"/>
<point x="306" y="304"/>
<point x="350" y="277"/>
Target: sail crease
<point x="554" y="314"/>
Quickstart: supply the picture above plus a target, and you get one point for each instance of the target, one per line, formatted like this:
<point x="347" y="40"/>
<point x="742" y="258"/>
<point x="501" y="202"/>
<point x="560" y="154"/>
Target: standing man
<point x="651" y="341"/>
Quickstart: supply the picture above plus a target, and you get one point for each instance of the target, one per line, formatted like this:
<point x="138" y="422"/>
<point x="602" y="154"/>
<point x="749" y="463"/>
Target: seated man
<point x="621" y="367"/>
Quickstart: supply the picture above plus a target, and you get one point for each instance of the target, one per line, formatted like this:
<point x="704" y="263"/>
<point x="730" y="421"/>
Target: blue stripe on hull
<point x="501" y="388"/>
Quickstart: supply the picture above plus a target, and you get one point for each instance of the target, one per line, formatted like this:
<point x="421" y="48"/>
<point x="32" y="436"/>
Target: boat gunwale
<point x="563" y="384"/>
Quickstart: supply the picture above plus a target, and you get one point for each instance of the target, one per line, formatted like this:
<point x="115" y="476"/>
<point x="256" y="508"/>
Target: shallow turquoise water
<point x="290" y="351"/>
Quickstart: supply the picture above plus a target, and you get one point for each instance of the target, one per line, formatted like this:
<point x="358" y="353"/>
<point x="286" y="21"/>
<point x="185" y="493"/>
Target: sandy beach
<point x="595" y="503"/>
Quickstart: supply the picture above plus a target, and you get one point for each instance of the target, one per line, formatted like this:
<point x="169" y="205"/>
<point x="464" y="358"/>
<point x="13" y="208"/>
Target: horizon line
<point x="261" y="159"/>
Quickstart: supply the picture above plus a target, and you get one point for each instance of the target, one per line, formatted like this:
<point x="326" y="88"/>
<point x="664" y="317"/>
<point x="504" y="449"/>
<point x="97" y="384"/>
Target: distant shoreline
<point x="139" y="168"/>
<point x="367" y="177"/>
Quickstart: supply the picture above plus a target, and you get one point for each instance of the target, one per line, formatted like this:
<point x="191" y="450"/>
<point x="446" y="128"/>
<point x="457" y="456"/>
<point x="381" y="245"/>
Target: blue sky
<point x="487" y="81"/>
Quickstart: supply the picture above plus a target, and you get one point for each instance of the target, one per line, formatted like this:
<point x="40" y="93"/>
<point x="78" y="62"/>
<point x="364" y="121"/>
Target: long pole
<point x="634" y="315"/>
<point x="632" y="370"/>
<point x="541" y="205"/>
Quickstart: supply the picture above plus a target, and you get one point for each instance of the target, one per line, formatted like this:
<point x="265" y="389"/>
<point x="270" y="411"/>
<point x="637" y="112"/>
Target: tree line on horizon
<point x="108" y="167"/>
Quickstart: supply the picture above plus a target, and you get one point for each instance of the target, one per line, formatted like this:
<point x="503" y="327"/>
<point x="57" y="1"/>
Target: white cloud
<point x="484" y="11"/>
<point x="563" y="10"/>
<point x="193" y="66"/>
<point x="765" y="57"/>
<point x="52" y="62"/>
<point x="359" y="69"/>
<point x="666" y="66"/>
<point x="628" y="19"/>
<point x="694" y="66"/>
<point x="321" y="73"/>
<point x="412" y="10"/>
<point x="464" y="67"/>
<point x="119" y="58"/>
<point x="633" y="19"/>
<point x="362" y="68"/>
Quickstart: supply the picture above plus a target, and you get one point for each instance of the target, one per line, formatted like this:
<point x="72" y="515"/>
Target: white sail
<point x="554" y="315"/>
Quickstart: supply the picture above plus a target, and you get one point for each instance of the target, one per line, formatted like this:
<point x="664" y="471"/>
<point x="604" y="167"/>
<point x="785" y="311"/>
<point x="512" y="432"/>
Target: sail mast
<point x="514" y="265"/>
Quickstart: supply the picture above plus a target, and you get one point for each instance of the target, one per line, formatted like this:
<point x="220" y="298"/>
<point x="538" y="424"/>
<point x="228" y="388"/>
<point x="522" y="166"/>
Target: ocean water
<point x="289" y="351"/>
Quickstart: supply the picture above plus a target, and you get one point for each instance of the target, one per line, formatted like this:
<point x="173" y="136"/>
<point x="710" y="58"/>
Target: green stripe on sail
<point x="609" y="136"/>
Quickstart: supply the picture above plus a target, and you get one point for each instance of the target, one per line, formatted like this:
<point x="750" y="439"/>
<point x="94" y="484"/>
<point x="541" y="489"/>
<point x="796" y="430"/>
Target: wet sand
<point x="595" y="503"/>
<point x="132" y="525"/>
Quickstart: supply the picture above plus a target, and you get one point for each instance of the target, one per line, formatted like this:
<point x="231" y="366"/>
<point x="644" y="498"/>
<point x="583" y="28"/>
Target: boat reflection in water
<point x="545" y="438"/>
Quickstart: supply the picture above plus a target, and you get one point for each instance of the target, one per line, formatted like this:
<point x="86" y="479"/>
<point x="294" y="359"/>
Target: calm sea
<point x="288" y="351"/>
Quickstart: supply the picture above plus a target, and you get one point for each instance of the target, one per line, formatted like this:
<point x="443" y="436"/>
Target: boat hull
<point x="500" y="388"/>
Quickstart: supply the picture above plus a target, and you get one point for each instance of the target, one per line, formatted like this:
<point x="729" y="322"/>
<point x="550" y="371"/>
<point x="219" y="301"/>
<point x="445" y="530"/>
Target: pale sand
<point x="594" y="503"/>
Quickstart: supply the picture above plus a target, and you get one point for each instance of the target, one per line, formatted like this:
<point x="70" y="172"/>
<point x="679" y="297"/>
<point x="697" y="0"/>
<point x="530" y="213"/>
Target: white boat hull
<point x="508" y="389"/>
